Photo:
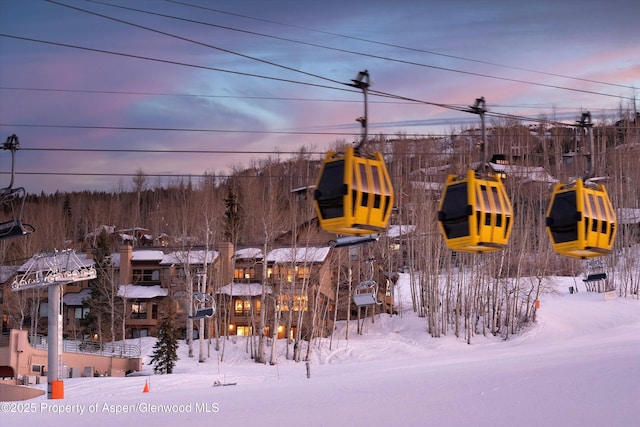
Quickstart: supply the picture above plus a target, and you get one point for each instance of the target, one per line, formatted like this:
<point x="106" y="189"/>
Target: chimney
<point x="225" y="253"/>
<point x="126" y="252"/>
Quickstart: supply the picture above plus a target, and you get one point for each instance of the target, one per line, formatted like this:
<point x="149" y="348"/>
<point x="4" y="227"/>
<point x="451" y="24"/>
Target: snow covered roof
<point x="400" y="230"/>
<point x="298" y="255"/>
<point x="6" y="271"/>
<point x="76" y="298"/>
<point x="142" y="292"/>
<point x="243" y="289"/>
<point x="433" y="170"/>
<point x="248" y="253"/>
<point x="524" y="173"/>
<point x="628" y="215"/>
<point x="189" y="257"/>
<point x="109" y="229"/>
<point x="427" y="186"/>
<point x="147" y="255"/>
<point x="115" y="259"/>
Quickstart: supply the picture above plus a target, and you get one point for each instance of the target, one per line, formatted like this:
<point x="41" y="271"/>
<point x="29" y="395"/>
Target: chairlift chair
<point x="202" y="313"/>
<point x="366" y="293"/>
<point x="13" y="199"/>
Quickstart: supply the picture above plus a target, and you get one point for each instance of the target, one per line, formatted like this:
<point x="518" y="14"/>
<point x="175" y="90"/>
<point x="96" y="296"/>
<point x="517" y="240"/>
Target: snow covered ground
<point x="578" y="365"/>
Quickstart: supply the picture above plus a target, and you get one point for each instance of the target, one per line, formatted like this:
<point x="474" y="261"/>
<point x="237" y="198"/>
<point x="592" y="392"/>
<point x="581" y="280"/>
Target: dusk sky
<point x="202" y="86"/>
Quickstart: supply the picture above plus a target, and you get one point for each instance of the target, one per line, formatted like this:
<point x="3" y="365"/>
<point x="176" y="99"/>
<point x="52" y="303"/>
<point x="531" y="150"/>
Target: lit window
<point x="243" y="307"/>
<point x="139" y="310"/>
<point x="300" y="303"/>
<point x="243" y="331"/>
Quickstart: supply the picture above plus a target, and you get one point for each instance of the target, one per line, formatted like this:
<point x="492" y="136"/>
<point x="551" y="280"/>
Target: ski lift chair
<point x="366" y="293"/>
<point x="13" y="200"/>
<point x="202" y="313"/>
<point x="14" y="227"/>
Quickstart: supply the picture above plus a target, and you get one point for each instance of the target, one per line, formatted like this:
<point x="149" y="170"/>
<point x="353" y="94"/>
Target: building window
<point x="243" y="307"/>
<point x="139" y="310"/>
<point x="243" y="331"/>
<point x="288" y="274"/>
<point x="146" y="276"/>
<point x="300" y="303"/>
<point x="139" y="333"/>
<point x="244" y="273"/>
<point x="282" y="332"/>
<point x="80" y="312"/>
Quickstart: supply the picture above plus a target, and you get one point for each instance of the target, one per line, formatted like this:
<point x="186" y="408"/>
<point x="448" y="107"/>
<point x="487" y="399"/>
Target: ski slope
<point x="578" y="365"/>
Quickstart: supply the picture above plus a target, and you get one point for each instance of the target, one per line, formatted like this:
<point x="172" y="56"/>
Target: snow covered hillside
<point x="578" y="365"/>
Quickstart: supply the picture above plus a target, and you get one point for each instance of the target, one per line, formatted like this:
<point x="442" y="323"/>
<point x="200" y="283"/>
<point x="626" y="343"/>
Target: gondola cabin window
<point x="565" y="218"/>
<point x="455" y="212"/>
<point x="331" y="205"/>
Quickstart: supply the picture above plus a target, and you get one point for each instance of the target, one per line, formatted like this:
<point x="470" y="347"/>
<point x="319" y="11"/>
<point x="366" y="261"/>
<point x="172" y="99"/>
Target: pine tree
<point x="165" y="352"/>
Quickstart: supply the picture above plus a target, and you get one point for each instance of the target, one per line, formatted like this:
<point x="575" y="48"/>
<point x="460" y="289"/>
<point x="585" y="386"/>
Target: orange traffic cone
<point x="146" y="387"/>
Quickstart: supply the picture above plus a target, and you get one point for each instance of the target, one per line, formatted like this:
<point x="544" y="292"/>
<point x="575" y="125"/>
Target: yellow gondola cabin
<point x="353" y="195"/>
<point x="475" y="213"/>
<point x="580" y="219"/>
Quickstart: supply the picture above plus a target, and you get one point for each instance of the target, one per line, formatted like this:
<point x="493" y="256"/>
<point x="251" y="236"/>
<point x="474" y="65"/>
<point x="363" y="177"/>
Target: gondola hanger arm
<point x="480" y="108"/>
<point x="585" y="123"/>
<point x="12" y="144"/>
<point x="362" y="82"/>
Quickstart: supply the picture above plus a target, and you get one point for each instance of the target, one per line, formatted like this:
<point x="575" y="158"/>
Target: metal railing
<point x="122" y="350"/>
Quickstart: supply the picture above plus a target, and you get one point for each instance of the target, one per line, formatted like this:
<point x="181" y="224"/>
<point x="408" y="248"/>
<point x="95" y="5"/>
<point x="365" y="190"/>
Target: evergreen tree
<point x="232" y="216"/>
<point x="165" y="351"/>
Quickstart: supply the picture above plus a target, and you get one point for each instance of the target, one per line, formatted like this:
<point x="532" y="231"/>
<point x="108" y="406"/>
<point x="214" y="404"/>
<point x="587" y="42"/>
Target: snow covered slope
<point x="576" y="366"/>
